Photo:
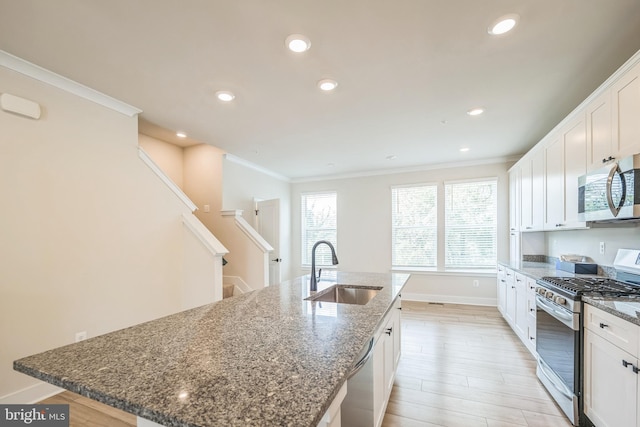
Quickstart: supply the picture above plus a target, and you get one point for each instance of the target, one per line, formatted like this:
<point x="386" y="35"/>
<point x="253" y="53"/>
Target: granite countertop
<point x="262" y="358"/>
<point x="538" y="270"/>
<point x="627" y="308"/>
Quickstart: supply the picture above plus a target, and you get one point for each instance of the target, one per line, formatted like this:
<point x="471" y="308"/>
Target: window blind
<point x="319" y="222"/>
<point x="414" y="226"/>
<point x="471" y="224"/>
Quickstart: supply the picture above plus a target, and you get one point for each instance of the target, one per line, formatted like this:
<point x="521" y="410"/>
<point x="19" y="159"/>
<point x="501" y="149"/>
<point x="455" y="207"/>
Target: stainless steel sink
<point x="346" y="294"/>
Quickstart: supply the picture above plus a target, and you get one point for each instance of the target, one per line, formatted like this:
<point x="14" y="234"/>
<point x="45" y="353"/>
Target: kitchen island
<point x="268" y="357"/>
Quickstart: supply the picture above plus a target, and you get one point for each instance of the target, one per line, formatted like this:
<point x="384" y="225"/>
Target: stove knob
<point x="549" y="294"/>
<point x="560" y="300"/>
<point x="541" y="291"/>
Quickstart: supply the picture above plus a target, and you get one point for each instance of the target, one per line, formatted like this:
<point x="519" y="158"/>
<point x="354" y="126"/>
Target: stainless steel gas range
<point x="559" y="326"/>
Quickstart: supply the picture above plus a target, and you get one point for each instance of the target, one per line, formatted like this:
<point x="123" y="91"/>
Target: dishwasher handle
<point x="363" y="360"/>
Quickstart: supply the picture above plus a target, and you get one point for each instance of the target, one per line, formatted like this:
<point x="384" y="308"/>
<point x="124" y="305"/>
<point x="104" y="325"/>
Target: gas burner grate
<point x="603" y="285"/>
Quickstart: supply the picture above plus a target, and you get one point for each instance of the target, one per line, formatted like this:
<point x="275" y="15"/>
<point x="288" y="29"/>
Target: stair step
<point x="227" y="290"/>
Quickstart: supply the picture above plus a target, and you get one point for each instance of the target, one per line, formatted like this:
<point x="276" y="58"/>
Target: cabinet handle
<point x="388" y="331"/>
<point x="635" y="369"/>
<point x="532" y="309"/>
<point x="608" y="160"/>
<point x="559" y="225"/>
<point x="625" y="363"/>
<point x="513" y="287"/>
<point x="603" y="325"/>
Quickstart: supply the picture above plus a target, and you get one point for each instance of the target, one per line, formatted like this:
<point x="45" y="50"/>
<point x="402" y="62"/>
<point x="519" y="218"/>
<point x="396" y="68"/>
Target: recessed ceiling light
<point x="224" y="95"/>
<point x="392" y="157"/>
<point x="503" y="24"/>
<point x="297" y="43"/>
<point x="327" y="84"/>
<point x="181" y="134"/>
<point x="330" y="165"/>
<point x="475" y="112"/>
<point x="464" y="149"/>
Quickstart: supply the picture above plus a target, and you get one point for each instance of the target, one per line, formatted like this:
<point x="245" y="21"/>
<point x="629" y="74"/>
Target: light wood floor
<point x="461" y="366"/>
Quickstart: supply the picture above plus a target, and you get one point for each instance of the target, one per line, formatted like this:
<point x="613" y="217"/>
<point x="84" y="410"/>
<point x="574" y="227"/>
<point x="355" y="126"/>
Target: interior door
<point x="268" y="225"/>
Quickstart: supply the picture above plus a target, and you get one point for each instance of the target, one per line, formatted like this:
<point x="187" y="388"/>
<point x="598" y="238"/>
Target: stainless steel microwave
<point x="611" y="192"/>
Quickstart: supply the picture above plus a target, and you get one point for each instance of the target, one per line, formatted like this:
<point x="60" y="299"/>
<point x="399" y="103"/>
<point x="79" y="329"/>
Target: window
<point x="319" y="212"/>
<point x="414" y="226"/>
<point x="470" y="224"/>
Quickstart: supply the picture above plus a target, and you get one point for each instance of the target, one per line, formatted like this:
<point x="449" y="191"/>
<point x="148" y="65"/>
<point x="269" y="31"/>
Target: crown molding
<point x="409" y="169"/>
<point x="36" y="72"/>
<point x="248" y="164"/>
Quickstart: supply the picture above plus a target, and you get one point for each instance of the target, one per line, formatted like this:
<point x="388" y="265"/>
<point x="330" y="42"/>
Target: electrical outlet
<point x="476" y="283"/>
<point x="601" y="248"/>
<point x="81" y="336"/>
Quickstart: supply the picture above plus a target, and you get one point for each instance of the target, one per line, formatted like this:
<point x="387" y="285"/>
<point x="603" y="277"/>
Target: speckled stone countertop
<point x="538" y="270"/>
<point x="259" y="359"/>
<point x="627" y="308"/>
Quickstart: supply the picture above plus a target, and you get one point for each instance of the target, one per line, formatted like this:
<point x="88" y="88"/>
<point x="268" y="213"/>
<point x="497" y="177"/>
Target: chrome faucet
<point x="313" y="283"/>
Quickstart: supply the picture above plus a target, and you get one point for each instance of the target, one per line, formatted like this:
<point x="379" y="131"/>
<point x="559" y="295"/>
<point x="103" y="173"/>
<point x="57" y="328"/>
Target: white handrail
<point x="204" y="235"/>
<point x="248" y="230"/>
<point x="166" y="180"/>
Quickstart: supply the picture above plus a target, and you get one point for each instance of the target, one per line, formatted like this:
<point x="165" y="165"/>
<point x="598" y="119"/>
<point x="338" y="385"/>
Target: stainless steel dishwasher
<point x="357" y="406"/>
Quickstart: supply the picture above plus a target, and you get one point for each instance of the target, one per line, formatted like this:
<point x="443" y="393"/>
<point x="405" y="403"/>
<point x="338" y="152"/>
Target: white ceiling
<point x="404" y="67"/>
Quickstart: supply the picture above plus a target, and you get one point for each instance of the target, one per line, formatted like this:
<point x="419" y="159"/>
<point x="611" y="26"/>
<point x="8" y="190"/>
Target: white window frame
<point x="417" y="267"/>
<point x="323" y="251"/>
<point x="490" y="266"/>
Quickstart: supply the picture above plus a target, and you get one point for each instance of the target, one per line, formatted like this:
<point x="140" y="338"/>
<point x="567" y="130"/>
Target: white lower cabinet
<point x="386" y="357"/>
<point x="517" y="304"/>
<point x="368" y="390"/>
<point x="611" y="385"/>
<point x="502" y="290"/>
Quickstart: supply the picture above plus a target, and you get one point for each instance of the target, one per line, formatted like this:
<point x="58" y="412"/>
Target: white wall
<point x="168" y="157"/>
<point x="587" y="242"/>
<point x="242" y="185"/>
<point x="364" y="230"/>
<point x="90" y="239"/>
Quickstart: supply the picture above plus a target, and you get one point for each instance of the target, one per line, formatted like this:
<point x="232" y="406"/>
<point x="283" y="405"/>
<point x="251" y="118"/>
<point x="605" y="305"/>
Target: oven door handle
<point x="553" y="379"/>
<point x="564" y="316"/>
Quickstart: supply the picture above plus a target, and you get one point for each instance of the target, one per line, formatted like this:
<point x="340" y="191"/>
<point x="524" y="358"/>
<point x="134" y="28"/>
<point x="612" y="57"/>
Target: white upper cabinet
<point x="599" y="131"/>
<point x="566" y="160"/>
<point x="575" y="165"/>
<point x="625" y="94"/>
<point x="532" y="190"/>
<point x="514" y="199"/>
<point x="554" y="183"/>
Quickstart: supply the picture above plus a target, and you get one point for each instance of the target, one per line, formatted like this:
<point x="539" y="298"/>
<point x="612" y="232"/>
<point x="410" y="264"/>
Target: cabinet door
<point x="514" y="199"/>
<point x="521" y="306"/>
<point x="575" y="165"/>
<point x="502" y="291"/>
<point x="610" y="388"/>
<point x="397" y="337"/>
<point x="526" y="194"/>
<point x="554" y="184"/>
<point x="378" y="380"/>
<point x="531" y="315"/>
<point x="514" y="247"/>
<point x="599" y="131"/>
<point x="537" y="202"/>
<point x="626" y="111"/>
<point x="510" y="302"/>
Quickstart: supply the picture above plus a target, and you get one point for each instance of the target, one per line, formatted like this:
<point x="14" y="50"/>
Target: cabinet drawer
<point x="614" y="329"/>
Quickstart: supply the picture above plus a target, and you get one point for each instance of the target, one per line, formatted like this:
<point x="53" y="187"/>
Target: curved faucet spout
<point x="313" y="283"/>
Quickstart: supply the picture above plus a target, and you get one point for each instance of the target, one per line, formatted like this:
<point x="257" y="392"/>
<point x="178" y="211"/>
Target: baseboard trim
<point x="31" y="394"/>
<point x="449" y="299"/>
